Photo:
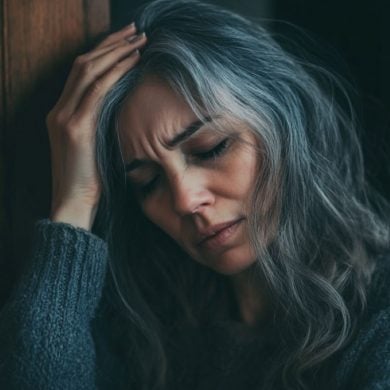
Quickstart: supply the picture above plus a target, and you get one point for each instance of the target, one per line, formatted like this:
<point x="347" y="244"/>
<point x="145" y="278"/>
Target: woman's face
<point x="193" y="182"/>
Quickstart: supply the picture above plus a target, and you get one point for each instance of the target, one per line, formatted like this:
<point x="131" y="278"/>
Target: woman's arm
<point x="71" y="124"/>
<point x="45" y="338"/>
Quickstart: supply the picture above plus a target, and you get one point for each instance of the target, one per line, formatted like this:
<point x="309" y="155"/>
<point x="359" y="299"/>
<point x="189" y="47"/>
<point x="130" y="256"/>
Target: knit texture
<point x="45" y="338"/>
<point x="52" y="335"/>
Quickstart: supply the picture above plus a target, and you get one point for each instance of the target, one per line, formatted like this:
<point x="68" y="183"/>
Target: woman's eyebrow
<point x="188" y="132"/>
<point x="136" y="163"/>
<point x="176" y="140"/>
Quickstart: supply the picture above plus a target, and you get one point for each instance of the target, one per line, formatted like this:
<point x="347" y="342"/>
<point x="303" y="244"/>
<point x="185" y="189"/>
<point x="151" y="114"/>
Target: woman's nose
<point x="190" y="193"/>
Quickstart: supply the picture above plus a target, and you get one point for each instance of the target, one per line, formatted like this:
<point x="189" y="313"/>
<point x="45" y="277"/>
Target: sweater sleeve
<point x="45" y="336"/>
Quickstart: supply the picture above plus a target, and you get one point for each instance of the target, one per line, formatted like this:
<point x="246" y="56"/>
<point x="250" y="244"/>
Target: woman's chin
<point x="231" y="262"/>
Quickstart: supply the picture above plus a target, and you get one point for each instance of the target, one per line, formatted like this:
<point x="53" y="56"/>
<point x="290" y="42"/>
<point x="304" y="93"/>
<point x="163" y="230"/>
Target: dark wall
<point x="353" y="39"/>
<point x="359" y="33"/>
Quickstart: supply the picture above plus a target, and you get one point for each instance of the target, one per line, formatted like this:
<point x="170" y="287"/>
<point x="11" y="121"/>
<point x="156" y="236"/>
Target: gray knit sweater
<point x="48" y="338"/>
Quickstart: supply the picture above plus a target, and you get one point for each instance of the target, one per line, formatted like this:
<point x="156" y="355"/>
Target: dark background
<point x="353" y="38"/>
<point x="359" y="32"/>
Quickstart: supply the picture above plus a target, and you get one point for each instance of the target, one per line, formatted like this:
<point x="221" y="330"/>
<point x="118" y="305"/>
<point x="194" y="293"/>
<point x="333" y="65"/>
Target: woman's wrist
<point x="75" y="213"/>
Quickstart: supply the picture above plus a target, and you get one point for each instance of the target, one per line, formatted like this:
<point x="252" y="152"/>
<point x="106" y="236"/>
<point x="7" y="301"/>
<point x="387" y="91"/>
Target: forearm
<point x="74" y="213"/>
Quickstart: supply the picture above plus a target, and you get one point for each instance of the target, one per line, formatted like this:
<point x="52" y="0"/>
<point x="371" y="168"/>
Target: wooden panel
<point x="97" y="19"/>
<point x="39" y="39"/>
<point x="2" y="126"/>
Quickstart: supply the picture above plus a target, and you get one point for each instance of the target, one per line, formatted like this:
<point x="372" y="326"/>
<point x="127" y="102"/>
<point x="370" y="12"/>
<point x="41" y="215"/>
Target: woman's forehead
<point x="155" y="114"/>
<point x="151" y="118"/>
<point x="153" y="108"/>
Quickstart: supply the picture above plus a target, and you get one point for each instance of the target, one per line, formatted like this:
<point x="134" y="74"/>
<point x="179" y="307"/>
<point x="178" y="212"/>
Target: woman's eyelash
<point x="148" y="187"/>
<point x="214" y="152"/>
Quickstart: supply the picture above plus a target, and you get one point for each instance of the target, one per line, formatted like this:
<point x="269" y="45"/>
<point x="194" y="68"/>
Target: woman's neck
<point x="251" y="298"/>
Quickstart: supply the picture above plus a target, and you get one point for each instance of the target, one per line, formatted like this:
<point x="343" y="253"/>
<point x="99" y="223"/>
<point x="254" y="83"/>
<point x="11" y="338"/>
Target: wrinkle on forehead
<point x="151" y="115"/>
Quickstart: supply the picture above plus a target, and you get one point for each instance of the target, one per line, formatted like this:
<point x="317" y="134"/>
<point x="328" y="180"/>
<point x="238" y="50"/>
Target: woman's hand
<point x="72" y="125"/>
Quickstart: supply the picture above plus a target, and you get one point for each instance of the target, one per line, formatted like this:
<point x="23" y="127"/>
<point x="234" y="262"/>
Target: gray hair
<point x="312" y="224"/>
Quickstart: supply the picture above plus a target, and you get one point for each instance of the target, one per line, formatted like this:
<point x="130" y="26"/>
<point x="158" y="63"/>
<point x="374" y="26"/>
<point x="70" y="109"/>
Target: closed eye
<point x="148" y="187"/>
<point x="211" y="154"/>
<point x="215" y="152"/>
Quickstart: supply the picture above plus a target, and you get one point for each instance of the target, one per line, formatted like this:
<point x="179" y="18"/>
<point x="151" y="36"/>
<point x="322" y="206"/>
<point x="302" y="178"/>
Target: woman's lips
<point x="221" y="238"/>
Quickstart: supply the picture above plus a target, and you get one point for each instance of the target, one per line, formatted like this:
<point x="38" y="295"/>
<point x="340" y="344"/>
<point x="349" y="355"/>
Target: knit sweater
<point x="49" y="329"/>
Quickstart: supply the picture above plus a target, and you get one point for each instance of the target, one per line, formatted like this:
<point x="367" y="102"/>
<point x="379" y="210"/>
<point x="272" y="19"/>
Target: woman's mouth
<point x="220" y="236"/>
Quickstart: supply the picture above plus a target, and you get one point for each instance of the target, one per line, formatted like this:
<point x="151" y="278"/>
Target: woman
<point x="233" y="227"/>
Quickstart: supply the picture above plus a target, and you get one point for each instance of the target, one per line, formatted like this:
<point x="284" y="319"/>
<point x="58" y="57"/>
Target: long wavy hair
<point x="312" y="225"/>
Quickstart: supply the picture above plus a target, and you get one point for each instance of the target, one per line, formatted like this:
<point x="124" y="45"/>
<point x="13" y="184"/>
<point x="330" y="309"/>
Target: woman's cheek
<point x="158" y="214"/>
<point x="149" y="211"/>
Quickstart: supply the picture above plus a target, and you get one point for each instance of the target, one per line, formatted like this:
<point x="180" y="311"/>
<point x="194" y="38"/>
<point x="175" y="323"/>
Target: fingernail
<point x="132" y="38"/>
<point x="140" y="36"/>
<point x="136" y="38"/>
<point x="132" y="25"/>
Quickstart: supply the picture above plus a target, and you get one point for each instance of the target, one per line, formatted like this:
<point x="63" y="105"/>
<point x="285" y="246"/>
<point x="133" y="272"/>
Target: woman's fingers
<point x="99" y="50"/>
<point x="74" y="74"/>
<point x="99" y="88"/>
<point x="111" y="42"/>
<point x="119" y="35"/>
<point x="87" y="69"/>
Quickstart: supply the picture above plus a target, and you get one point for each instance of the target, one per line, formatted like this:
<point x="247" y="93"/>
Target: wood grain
<point x="2" y="127"/>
